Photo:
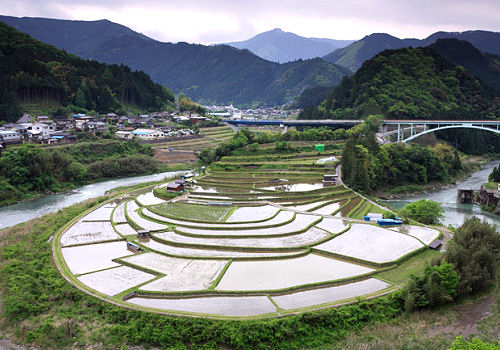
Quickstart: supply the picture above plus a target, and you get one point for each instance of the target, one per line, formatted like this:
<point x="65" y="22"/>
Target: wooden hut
<point x="143" y="235"/>
<point x="174" y="186"/>
<point x="436" y="244"/>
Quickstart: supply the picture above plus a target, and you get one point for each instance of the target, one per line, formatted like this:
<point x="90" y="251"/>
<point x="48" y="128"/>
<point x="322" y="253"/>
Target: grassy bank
<point x="40" y="307"/>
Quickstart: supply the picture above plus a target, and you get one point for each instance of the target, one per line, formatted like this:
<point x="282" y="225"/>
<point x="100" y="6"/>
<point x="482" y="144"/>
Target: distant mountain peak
<point x="209" y="74"/>
<point x="353" y="56"/>
<point x="280" y="46"/>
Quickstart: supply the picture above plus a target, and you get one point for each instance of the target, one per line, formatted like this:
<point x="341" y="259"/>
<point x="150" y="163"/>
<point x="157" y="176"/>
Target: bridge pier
<point x="465" y="196"/>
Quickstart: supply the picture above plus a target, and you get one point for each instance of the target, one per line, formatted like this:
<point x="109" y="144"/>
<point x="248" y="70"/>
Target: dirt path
<point x="467" y="318"/>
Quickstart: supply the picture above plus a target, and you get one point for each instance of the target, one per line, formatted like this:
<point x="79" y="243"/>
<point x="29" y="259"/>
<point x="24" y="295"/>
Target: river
<point x="27" y="210"/>
<point x="454" y="214"/>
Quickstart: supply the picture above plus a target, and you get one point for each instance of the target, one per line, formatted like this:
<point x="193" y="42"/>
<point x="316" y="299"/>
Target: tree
<point x="424" y="211"/>
<point x="80" y="100"/>
<point x="474" y="250"/>
<point x="436" y="286"/>
<point x="494" y="175"/>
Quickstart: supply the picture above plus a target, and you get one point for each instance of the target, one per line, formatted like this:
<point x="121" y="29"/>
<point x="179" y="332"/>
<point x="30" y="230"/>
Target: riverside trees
<point x="366" y="166"/>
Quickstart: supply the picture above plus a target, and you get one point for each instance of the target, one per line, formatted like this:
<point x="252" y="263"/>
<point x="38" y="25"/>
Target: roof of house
<point x="173" y="185"/>
<point x="436" y="244"/>
<point x="5" y="132"/>
<point x="144" y="131"/>
<point x="26" y="118"/>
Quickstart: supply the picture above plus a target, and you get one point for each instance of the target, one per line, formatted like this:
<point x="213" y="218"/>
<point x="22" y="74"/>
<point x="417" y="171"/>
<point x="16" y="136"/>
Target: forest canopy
<point x="32" y="72"/>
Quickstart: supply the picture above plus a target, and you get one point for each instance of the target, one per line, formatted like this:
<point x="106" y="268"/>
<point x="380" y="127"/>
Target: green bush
<point x="461" y="343"/>
<point x="474" y="250"/>
<point x="435" y="287"/>
<point x="126" y="166"/>
<point x="424" y="211"/>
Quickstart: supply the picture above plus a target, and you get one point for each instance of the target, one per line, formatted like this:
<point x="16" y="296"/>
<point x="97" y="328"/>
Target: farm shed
<point x="436" y="244"/>
<point x="174" y="186"/>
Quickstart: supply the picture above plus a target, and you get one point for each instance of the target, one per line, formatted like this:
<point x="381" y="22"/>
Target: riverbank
<point x="30" y="171"/>
<point x="470" y="165"/>
<point x="30" y="209"/>
<point x="454" y="214"/>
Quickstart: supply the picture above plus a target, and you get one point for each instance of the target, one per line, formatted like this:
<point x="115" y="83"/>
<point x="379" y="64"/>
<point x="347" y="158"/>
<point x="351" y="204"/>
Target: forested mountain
<point x="484" y="66"/>
<point x="353" y="56"/>
<point x="34" y="72"/>
<point x="78" y="37"/>
<point x="279" y="46"/>
<point x="410" y="83"/>
<point x="209" y="74"/>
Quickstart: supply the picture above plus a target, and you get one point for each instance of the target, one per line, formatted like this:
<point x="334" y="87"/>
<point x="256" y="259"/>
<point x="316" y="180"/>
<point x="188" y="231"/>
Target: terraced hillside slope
<point x="250" y="238"/>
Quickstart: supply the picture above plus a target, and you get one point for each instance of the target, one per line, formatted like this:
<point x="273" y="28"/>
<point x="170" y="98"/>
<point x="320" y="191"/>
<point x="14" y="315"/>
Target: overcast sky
<point x="217" y="21"/>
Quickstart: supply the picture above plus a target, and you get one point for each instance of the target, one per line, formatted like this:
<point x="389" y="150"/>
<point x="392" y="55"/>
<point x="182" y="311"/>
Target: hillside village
<point x="63" y="129"/>
<point x="164" y="125"/>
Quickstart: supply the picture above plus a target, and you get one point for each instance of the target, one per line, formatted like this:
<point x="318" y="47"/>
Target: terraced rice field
<point x="237" y="244"/>
<point x="209" y="137"/>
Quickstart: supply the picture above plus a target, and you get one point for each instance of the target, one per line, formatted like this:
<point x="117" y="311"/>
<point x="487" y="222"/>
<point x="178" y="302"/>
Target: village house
<point x="26" y="118"/>
<point x="127" y="135"/>
<point x="175" y="187"/>
<point x="39" y="131"/>
<point x="148" y="134"/>
<point x="10" y="136"/>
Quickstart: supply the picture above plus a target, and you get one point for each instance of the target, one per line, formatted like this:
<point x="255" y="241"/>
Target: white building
<point x="148" y="134"/>
<point x="124" y="135"/>
<point x="10" y="136"/>
<point x="41" y="130"/>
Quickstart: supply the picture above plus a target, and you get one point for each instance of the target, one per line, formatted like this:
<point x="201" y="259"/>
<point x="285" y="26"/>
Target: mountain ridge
<point x="35" y="72"/>
<point x="414" y="83"/>
<point x="353" y="55"/>
<point x="208" y="74"/>
<point x="279" y="46"/>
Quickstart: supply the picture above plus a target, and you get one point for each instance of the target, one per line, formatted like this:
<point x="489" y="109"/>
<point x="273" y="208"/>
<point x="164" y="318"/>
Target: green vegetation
<point x="403" y="272"/>
<point x="193" y="212"/>
<point x="30" y="169"/>
<point x="246" y="143"/>
<point x="366" y="166"/>
<point x="474" y="251"/>
<point x="462" y="53"/>
<point x="33" y="72"/>
<point x="424" y="211"/>
<point x="435" y="287"/>
<point x="409" y="83"/>
<point x="475" y="344"/>
<point x="312" y="96"/>
<point x="494" y="176"/>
